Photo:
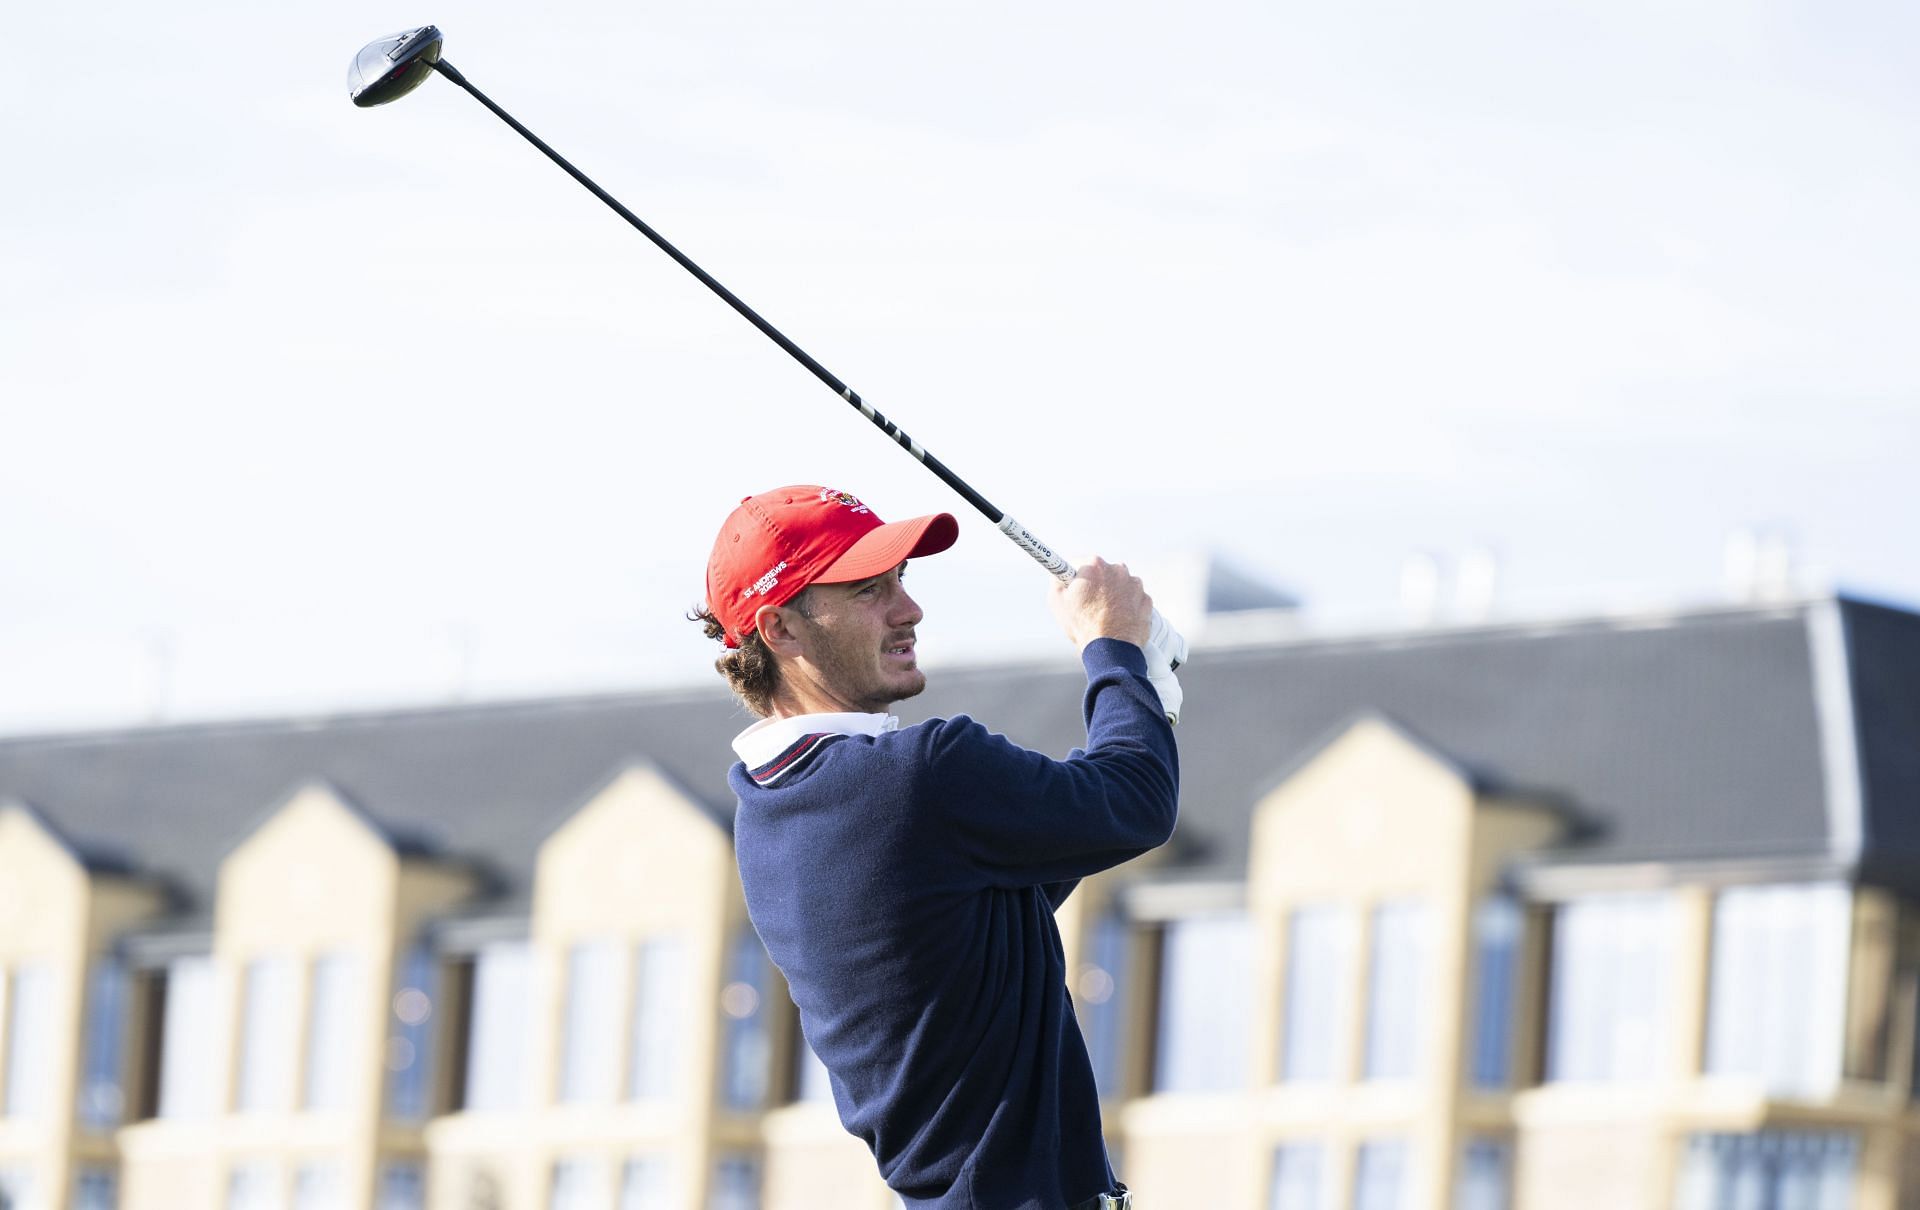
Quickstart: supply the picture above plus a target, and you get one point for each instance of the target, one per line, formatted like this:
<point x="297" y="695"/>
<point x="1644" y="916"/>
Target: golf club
<point x="389" y="68"/>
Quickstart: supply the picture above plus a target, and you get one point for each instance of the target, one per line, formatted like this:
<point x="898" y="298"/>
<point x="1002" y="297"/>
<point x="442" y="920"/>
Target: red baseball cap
<point x="778" y="542"/>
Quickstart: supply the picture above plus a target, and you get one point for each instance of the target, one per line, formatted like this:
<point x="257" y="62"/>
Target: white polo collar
<point x="769" y="737"/>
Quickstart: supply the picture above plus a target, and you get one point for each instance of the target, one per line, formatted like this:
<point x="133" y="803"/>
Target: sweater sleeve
<point x="1029" y="820"/>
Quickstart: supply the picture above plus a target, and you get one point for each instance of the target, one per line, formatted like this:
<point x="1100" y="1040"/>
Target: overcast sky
<point x="304" y="406"/>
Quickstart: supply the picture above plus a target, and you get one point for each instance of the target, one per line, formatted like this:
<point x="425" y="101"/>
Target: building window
<point x="1205" y="1004"/>
<point x="146" y="1041"/>
<point x="589" y="1071"/>
<point x="30" y="1051"/>
<point x="807" y="1078"/>
<point x="269" y="1034"/>
<point x="502" y="1019"/>
<point x="659" y="1011"/>
<point x="1611" y="961"/>
<point x="1913" y="1067"/>
<point x="1380" y="1176"/>
<point x="403" y="1186"/>
<point x="255" y="1186"/>
<point x="318" y="1186"/>
<point x="811" y="1083"/>
<point x="336" y="1012"/>
<point x="410" y="1042"/>
<point x="1298" y="1177"/>
<point x="1804" y="1170"/>
<point x="745" y="1045"/>
<point x="1398" y="997"/>
<point x="192" y="1024"/>
<point x="1485" y="1180"/>
<point x="580" y="1184"/>
<point x="736" y="1183"/>
<point x="646" y="1184"/>
<point x="1320" y="947"/>
<point x="1497" y="928"/>
<point x="1101" y="1002"/>
<point x="102" y="1096"/>
<point x="16" y="1188"/>
<point x="95" y="1187"/>
<point x="1778" y="994"/>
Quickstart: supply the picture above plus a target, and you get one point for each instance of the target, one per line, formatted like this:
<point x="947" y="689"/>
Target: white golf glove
<point x="1171" y="642"/>
<point x="1160" y="675"/>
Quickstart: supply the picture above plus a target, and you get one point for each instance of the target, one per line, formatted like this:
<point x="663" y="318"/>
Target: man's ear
<point x="777" y="632"/>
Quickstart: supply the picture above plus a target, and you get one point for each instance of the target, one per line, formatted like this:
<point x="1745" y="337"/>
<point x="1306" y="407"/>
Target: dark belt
<point x="1119" y="1199"/>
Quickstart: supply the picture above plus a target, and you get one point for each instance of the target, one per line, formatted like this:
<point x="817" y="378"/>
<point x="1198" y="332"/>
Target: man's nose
<point x="905" y="611"/>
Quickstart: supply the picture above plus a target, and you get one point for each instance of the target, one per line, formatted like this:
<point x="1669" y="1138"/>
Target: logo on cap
<point x="830" y="496"/>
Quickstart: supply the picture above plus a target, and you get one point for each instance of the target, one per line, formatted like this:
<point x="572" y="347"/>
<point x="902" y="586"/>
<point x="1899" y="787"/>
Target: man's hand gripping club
<point x="1106" y="601"/>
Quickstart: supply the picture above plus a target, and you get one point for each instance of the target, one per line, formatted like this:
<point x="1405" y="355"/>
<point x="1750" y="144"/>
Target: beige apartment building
<point x="1606" y="913"/>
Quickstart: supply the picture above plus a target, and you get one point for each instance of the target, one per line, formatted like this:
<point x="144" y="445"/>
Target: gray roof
<point x="1689" y="737"/>
<point x="482" y="783"/>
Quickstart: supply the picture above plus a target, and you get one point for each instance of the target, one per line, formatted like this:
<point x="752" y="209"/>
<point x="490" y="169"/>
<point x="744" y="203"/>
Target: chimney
<point x="1476" y="583"/>
<point x="1204" y="593"/>
<point x="1420" y="580"/>
<point x="1758" y="564"/>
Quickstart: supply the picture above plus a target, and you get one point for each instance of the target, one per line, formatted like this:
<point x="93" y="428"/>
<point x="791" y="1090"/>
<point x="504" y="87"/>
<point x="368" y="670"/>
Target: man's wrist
<point x="1103" y="654"/>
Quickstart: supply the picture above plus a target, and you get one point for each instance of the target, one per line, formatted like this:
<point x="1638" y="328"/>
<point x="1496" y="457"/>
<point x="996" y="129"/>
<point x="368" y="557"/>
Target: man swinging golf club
<point x="904" y="879"/>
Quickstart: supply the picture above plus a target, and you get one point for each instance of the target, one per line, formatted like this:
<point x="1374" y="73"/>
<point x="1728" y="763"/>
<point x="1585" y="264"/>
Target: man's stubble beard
<point x="842" y="671"/>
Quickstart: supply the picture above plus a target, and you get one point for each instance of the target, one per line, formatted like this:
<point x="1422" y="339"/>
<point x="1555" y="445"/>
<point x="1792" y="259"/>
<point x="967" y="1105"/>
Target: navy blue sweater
<point x="905" y="884"/>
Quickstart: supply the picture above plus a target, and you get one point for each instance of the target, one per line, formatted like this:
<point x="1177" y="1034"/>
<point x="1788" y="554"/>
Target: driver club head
<point x="389" y="68"/>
